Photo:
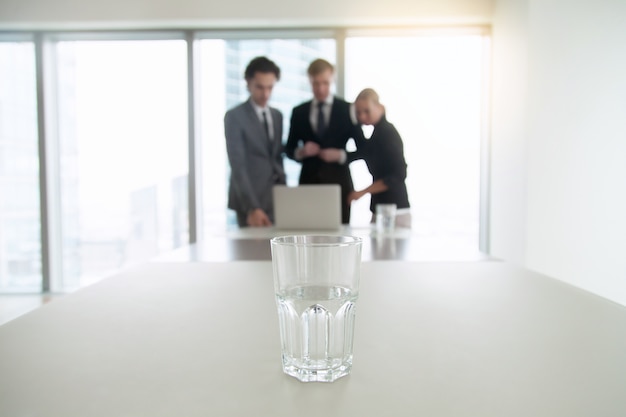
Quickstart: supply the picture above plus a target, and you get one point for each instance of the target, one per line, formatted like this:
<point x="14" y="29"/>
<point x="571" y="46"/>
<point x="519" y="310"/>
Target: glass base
<point x="317" y="375"/>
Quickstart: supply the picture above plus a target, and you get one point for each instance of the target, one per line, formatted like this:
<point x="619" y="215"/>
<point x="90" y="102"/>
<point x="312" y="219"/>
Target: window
<point x="433" y="94"/>
<point x="20" y="248"/>
<point x="122" y="137"/>
<point x="117" y="138"/>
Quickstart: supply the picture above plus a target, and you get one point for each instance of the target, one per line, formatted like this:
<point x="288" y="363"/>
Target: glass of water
<point x="316" y="281"/>
<point x="385" y="217"/>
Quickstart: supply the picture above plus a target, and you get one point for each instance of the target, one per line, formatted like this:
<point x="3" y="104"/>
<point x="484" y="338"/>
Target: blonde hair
<point x="318" y="66"/>
<point x="368" y="94"/>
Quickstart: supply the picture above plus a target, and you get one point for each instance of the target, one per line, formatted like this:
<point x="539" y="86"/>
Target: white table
<point x="432" y="339"/>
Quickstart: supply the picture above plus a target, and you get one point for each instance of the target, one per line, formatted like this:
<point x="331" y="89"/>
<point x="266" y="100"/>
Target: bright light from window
<point x="431" y="87"/>
<point x="20" y="248"/>
<point x="122" y="109"/>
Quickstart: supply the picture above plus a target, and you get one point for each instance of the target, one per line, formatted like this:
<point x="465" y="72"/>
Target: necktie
<point x="267" y="132"/>
<point x="321" y="122"/>
<point x="267" y="127"/>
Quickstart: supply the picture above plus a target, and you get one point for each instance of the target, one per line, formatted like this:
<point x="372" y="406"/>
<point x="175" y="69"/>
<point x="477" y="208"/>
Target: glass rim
<point x="316" y="240"/>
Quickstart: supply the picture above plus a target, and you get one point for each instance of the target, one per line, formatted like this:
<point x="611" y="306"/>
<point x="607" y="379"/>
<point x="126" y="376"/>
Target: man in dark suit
<point x="254" y="133"/>
<point x="324" y="122"/>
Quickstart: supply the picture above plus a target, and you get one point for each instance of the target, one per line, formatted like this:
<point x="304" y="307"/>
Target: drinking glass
<point x="316" y="281"/>
<point x="385" y="217"/>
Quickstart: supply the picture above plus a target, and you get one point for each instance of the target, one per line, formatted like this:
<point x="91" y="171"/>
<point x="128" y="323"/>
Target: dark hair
<point x="261" y="64"/>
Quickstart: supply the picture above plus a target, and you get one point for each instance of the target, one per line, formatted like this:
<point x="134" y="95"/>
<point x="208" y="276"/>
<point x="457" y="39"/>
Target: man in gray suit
<point x="254" y="134"/>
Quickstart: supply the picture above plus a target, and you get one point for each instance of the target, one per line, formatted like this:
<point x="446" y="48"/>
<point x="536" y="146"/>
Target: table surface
<point x="402" y="244"/>
<point x="432" y="339"/>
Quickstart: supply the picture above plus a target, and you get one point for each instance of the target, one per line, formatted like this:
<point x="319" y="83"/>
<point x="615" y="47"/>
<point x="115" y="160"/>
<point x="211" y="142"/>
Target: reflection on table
<point x="401" y="244"/>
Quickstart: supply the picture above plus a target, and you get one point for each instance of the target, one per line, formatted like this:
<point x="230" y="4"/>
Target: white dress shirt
<point x="259" y="111"/>
<point x="326" y="108"/>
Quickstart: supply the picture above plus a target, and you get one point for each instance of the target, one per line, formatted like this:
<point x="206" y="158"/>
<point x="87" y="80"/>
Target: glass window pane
<point x="432" y="93"/>
<point x="122" y="132"/>
<point x="20" y="249"/>
<point x="223" y="87"/>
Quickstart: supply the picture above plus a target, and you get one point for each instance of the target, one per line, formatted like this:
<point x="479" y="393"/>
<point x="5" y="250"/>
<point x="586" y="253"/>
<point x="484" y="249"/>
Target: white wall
<point x="509" y="131"/>
<point x="148" y="13"/>
<point x="574" y="115"/>
<point x="576" y="224"/>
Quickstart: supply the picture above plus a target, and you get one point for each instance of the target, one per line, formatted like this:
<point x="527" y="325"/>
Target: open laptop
<point x="307" y="207"/>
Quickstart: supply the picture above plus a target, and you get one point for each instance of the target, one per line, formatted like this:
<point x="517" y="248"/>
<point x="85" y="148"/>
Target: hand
<point x="310" y="149"/>
<point x="355" y="195"/>
<point x="331" y="154"/>
<point x="258" y="218"/>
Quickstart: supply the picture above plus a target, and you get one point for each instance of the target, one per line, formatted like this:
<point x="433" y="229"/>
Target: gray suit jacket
<point x="256" y="164"/>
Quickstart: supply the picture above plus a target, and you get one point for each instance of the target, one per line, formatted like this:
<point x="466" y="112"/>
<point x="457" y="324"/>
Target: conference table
<point x="181" y="338"/>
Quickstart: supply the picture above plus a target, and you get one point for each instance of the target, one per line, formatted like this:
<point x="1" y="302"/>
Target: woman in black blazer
<point x="383" y="153"/>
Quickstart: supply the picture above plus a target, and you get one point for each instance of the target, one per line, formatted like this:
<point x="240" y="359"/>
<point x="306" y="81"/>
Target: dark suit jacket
<point x="256" y="164"/>
<point x="314" y="170"/>
<point x="383" y="153"/>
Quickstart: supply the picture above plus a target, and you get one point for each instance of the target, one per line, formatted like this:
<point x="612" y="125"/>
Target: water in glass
<point x="317" y="326"/>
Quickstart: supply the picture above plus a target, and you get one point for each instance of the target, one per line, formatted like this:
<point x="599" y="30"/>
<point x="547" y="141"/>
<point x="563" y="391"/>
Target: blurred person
<point x="321" y="123"/>
<point x="383" y="152"/>
<point x="253" y="132"/>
